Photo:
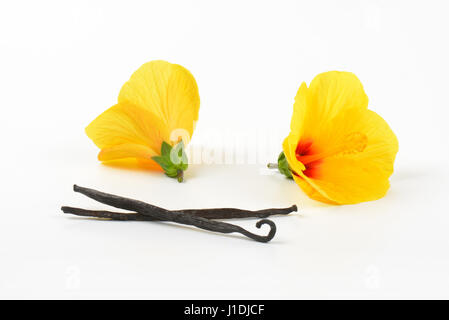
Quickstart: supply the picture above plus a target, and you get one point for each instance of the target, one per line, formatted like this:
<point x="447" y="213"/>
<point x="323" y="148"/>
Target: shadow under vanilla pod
<point x="200" y="218"/>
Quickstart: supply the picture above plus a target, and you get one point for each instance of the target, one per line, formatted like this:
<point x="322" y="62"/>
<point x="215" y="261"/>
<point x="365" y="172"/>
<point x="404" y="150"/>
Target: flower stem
<point x="272" y="166"/>
<point x="180" y="175"/>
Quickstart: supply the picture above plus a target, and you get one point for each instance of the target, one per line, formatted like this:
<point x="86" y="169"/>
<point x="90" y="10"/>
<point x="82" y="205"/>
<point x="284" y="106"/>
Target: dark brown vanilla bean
<point x="215" y="213"/>
<point x="233" y="213"/>
<point x="217" y="226"/>
<point x="106" y="214"/>
<point x="122" y="202"/>
<point x="180" y="216"/>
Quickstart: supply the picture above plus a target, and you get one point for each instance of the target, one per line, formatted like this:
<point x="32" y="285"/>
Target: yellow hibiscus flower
<point x="338" y="151"/>
<point x="153" y="120"/>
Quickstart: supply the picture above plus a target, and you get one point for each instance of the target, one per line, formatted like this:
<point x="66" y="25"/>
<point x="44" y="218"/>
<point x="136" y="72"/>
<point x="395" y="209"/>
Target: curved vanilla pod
<point x="188" y="217"/>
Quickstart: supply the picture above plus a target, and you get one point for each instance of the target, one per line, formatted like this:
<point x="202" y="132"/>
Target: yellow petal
<point x="128" y="150"/>
<point x="329" y="94"/>
<point x="134" y="163"/>
<point x="289" y="148"/>
<point x="169" y="91"/>
<point x="124" y="151"/>
<point x="311" y="191"/>
<point x="299" y="109"/>
<point x="126" y="128"/>
<point x="351" y="174"/>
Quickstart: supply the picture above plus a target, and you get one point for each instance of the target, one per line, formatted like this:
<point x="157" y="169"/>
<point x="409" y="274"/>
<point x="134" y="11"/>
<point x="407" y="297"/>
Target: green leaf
<point x="283" y="166"/>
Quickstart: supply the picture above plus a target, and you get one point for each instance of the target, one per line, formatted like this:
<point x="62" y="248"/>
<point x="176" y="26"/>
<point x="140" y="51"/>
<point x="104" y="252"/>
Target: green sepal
<point x="165" y="148"/>
<point x="173" y="160"/>
<point x="179" y="156"/>
<point x="283" y="166"/>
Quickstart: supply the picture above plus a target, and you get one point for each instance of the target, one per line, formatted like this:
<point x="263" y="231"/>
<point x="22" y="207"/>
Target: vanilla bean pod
<point x="217" y="226"/>
<point x="214" y="213"/>
<point x="173" y="216"/>
<point x="231" y="213"/>
<point x="107" y="214"/>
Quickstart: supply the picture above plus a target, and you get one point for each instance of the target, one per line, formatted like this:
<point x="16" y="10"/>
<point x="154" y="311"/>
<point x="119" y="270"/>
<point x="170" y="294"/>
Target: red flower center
<point x="304" y="150"/>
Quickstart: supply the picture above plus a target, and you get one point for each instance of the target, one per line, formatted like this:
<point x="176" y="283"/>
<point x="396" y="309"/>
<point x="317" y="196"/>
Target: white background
<point x="63" y="62"/>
